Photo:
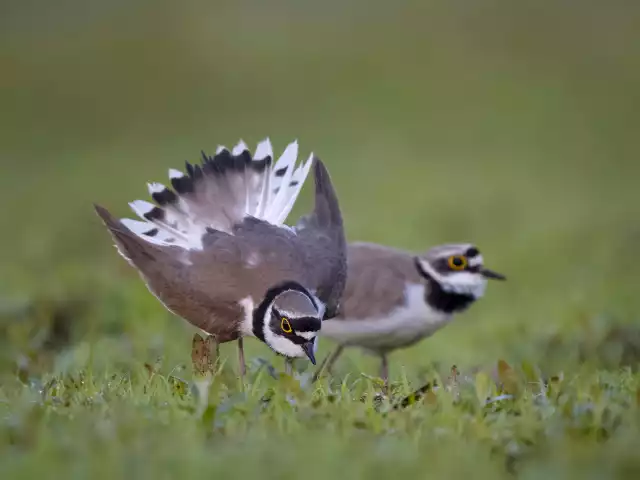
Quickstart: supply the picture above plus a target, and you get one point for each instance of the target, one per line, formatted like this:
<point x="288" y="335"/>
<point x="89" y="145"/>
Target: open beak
<point x="308" y="349"/>
<point x="491" y="274"/>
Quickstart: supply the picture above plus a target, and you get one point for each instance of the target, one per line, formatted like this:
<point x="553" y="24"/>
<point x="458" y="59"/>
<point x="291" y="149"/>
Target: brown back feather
<point x="171" y="281"/>
<point x="375" y="280"/>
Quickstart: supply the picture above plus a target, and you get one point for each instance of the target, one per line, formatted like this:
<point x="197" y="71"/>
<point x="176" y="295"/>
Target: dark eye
<point x="285" y="325"/>
<point x="457" y="262"/>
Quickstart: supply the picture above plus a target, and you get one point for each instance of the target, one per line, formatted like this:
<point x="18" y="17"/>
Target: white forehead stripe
<point x="476" y="261"/>
<point x="449" y="252"/>
<point x="307" y="335"/>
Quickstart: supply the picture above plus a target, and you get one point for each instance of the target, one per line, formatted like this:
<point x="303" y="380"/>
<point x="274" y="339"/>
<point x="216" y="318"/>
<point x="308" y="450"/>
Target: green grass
<point x="129" y="419"/>
<point x="511" y="126"/>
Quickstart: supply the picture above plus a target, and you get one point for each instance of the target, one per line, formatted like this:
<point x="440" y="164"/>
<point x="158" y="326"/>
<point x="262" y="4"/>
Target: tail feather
<point x="219" y="193"/>
<point x="293" y="189"/>
<point x="286" y="185"/>
<point x="261" y="200"/>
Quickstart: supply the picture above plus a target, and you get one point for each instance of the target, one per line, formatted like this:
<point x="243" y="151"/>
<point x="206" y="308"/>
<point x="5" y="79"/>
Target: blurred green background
<point x="513" y="125"/>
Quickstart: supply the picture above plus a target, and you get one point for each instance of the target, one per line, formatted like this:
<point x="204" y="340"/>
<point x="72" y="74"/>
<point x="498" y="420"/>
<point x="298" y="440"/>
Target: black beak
<point x="491" y="274"/>
<point x="308" y="349"/>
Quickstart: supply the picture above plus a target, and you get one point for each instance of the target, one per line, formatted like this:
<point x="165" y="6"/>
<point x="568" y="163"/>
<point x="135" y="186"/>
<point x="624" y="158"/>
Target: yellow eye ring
<point x="285" y="325"/>
<point x="457" y="262"/>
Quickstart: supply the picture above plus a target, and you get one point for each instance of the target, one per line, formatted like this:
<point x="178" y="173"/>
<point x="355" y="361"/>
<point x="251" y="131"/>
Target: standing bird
<point x="394" y="298"/>
<point x="214" y="250"/>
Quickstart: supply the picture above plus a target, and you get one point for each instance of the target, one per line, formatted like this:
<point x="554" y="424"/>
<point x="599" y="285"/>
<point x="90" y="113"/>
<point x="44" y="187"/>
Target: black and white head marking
<point x="456" y="275"/>
<point x="288" y="320"/>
